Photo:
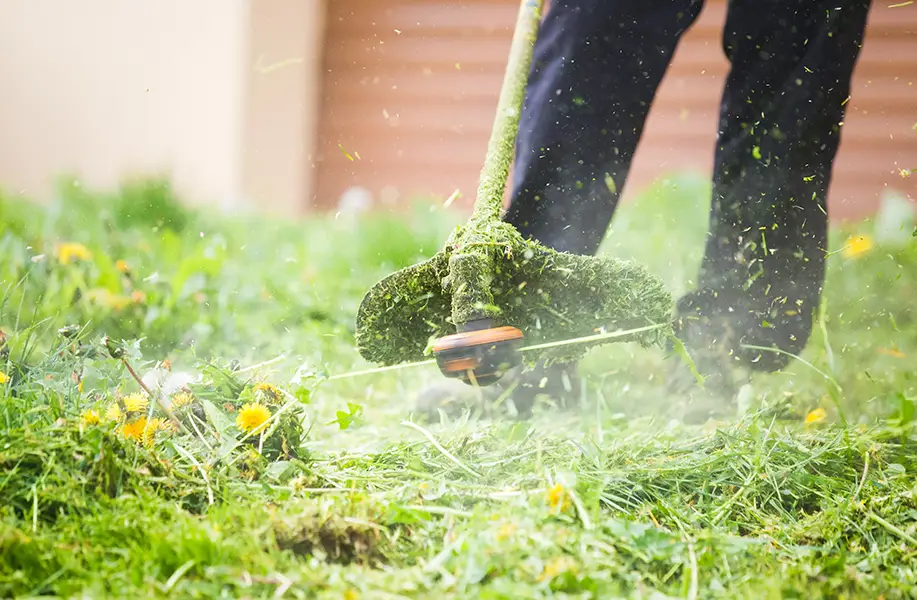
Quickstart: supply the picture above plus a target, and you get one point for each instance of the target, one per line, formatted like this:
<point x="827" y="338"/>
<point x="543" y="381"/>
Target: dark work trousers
<point x="595" y="72"/>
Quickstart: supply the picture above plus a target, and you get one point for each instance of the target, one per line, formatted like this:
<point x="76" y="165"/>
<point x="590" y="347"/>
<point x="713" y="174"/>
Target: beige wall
<point x="285" y="44"/>
<point x="108" y="88"/>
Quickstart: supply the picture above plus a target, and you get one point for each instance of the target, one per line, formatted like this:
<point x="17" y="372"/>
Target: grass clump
<point x="547" y="294"/>
<point x="264" y="478"/>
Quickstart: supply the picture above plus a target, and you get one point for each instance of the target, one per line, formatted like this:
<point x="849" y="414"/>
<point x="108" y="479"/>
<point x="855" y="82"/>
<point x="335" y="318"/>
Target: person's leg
<point x="782" y="110"/>
<point x="596" y="67"/>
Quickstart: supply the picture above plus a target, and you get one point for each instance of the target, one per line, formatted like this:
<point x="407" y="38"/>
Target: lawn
<point x="272" y="480"/>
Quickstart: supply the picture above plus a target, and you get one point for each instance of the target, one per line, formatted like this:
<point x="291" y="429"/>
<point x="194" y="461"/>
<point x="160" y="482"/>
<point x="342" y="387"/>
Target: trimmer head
<point x="481" y="354"/>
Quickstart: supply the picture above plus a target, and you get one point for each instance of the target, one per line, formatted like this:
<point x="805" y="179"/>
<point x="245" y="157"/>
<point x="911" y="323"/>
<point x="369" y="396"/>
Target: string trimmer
<point x="472" y="304"/>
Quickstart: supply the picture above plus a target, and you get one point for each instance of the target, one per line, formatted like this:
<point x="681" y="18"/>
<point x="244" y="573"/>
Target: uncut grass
<point x="762" y="510"/>
<point x="614" y="496"/>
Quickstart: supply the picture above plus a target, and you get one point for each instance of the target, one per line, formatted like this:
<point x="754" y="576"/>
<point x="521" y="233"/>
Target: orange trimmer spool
<point x="479" y="354"/>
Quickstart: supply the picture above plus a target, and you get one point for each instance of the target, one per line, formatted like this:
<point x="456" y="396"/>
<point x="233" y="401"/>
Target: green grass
<point x="346" y="495"/>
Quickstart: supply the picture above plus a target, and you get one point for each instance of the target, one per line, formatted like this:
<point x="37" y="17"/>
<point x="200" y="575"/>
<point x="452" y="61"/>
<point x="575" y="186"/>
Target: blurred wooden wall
<point x="409" y="89"/>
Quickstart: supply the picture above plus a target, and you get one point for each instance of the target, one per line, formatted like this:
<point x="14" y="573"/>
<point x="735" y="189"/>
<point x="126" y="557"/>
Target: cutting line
<point x="580" y="340"/>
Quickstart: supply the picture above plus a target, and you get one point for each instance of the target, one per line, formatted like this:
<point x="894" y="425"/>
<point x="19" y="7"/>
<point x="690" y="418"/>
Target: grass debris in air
<point x="168" y="428"/>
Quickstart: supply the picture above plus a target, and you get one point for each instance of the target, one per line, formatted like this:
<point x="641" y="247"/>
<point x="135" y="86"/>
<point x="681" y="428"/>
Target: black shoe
<point x="519" y="389"/>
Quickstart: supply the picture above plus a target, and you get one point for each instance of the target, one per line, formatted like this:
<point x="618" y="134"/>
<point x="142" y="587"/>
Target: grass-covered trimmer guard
<point x="488" y="286"/>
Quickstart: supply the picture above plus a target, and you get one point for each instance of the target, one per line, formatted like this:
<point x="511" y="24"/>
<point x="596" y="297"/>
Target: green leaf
<point x="304" y="395"/>
<point x="344" y="419"/>
<point x="683" y="354"/>
<point x="907" y="409"/>
<point x="277" y="470"/>
<point x="218" y="419"/>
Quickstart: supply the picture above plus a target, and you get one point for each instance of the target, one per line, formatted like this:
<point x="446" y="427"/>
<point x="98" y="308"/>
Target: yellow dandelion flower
<point x="3" y="377"/>
<point x="815" y="416"/>
<point x="252" y="417"/>
<point x="557" y="566"/>
<point x="163" y="424"/>
<point x="119" y="302"/>
<point x="182" y="399"/>
<point x="113" y="413"/>
<point x="90" y="417"/>
<point x="104" y="297"/>
<point x="891" y="352"/>
<point x="857" y="246"/>
<point x="72" y="252"/>
<point x="156" y="425"/>
<point x="134" y="430"/>
<point x="136" y="402"/>
<point x="558" y="498"/>
<point x="269" y="392"/>
<point x="506" y="531"/>
<point x="144" y="431"/>
<point x="99" y="296"/>
<point x="351" y="595"/>
<point x="122" y="266"/>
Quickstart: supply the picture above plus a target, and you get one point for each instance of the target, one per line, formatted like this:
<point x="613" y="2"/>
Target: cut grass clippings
<point x="275" y="481"/>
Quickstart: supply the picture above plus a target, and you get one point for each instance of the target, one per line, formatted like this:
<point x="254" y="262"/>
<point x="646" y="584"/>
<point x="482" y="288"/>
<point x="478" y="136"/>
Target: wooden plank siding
<point x="410" y="87"/>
